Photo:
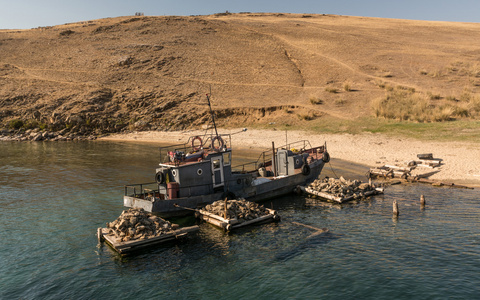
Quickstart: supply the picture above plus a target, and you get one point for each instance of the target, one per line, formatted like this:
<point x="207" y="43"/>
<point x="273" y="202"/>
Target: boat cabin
<point x="195" y="170"/>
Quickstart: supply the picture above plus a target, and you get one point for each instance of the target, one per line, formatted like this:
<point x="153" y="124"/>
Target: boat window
<point x="174" y="173"/>
<point x="199" y="172"/>
<point x="226" y="158"/>
<point x="216" y="164"/>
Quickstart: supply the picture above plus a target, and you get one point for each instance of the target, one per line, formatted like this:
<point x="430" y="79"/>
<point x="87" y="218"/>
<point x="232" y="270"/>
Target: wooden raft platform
<point x="133" y="245"/>
<point x="340" y="199"/>
<point x="231" y="224"/>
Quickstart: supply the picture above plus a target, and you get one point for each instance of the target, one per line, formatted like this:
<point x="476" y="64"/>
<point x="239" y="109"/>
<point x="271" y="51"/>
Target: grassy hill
<point x="321" y="72"/>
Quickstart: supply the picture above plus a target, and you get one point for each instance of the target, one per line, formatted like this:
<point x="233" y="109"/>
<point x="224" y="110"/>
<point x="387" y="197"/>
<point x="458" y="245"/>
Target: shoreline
<point x="370" y="150"/>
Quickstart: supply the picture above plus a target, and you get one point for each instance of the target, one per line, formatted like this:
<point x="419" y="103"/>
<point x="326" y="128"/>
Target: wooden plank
<point x="123" y="247"/>
<point x="231" y="221"/>
<point x="428" y="163"/>
<point x="262" y="219"/>
<point x="214" y="221"/>
<point x="425" y="156"/>
<point x="340" y="199"/>
<point x="382" y="172"/>
<point x="320" y="194"/>
<point x="272" y="216"/>
<point x="439" y="183"/>
<point x="357" y="195"/>
<point x="404" y="169"/>
<point x="308" y="226"/>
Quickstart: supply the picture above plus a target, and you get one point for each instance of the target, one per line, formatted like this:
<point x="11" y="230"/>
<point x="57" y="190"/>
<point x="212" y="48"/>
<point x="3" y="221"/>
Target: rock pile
<point x="136" y="224"/>
<point x="237" y="209"/>
<point x="36" y="135"/>
<point x="341" y="187"/>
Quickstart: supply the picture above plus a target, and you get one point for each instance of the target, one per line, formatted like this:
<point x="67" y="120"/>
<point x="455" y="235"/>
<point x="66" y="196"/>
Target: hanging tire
<point x="306" y="169"/>
<point x="160" y="177"/>
<point x="326" y="157"/>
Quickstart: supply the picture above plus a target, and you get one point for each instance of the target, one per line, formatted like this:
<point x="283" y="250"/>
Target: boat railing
<point x="264" y="159"/>
<point x="149" y="189"/>
<point x="245" y="167"/>
<point x="142" y="190"/>
<point x="207" y="142"/>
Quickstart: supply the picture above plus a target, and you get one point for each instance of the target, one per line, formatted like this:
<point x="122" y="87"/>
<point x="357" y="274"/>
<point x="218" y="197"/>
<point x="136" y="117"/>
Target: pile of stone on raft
<point x="237" y="209"/>
<point x="341" y="187"/>
<point x="137" y="224"/>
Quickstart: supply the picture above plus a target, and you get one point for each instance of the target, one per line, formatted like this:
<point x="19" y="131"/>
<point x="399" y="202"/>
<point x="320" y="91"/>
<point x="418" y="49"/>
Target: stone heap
<point x="35" y="135"/>
<point x="237" y="209"/>
<point x="137" y="224"/>
<point x="341" y="187"/>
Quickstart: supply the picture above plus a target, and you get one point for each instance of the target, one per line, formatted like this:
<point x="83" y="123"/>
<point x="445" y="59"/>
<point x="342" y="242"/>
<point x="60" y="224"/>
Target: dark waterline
<point x="53" y="196"/>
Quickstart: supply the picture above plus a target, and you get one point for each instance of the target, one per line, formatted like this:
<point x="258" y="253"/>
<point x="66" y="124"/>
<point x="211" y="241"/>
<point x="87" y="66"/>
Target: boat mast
<point x="211" y="112"/>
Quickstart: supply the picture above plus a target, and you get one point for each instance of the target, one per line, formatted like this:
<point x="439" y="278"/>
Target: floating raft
<point x="231" y="224"/>
<point x="133" y="245"/>
<point x="328" y="196"/>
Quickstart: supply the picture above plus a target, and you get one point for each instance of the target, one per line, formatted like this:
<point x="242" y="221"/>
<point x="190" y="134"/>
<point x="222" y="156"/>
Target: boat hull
<point x="271" y="189"/>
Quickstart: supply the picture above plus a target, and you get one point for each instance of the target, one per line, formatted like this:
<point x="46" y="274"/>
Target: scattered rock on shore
<point x="39" y="136"/>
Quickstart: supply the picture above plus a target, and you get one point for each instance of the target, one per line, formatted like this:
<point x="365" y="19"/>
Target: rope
<point x="330" y="163"/>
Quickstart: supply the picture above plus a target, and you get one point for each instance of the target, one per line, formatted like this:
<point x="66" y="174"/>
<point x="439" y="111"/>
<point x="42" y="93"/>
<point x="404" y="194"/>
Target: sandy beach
<point x="372" y="150"/>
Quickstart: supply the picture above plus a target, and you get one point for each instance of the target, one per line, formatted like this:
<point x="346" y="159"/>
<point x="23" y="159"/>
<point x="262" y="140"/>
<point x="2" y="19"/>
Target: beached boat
<point x="210" y="176"/>
<point x="199" y="172"/>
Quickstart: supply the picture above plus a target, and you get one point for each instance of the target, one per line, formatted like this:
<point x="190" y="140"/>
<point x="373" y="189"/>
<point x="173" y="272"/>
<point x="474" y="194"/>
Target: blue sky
<point x="23" y="14"/>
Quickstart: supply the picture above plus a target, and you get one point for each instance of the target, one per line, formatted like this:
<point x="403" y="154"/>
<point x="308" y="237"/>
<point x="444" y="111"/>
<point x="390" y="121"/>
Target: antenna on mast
<point x="211" y="111"/>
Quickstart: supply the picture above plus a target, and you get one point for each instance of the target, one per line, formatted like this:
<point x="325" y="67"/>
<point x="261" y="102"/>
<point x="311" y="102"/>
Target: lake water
<point x="54" y="196"/>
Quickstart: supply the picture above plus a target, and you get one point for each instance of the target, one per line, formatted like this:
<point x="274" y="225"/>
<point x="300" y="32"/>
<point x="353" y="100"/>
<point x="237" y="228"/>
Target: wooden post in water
<point x="225" y="213"/>
<point x="395" y="208"/>
<point x="422" y="202"/>
<point x="274" y="165"/>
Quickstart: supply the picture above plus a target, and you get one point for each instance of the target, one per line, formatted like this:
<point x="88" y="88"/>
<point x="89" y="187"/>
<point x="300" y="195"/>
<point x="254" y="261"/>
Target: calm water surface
<point x="54" y="196"/>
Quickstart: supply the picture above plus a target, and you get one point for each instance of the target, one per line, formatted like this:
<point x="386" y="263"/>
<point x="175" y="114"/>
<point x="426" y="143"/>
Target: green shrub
<point x="15" y="124"/>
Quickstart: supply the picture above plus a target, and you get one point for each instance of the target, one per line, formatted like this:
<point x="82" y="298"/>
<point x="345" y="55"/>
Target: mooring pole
<point x="395" y="208"/>
<point x="422" y="201"/>
<point x="274" y="165"/>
